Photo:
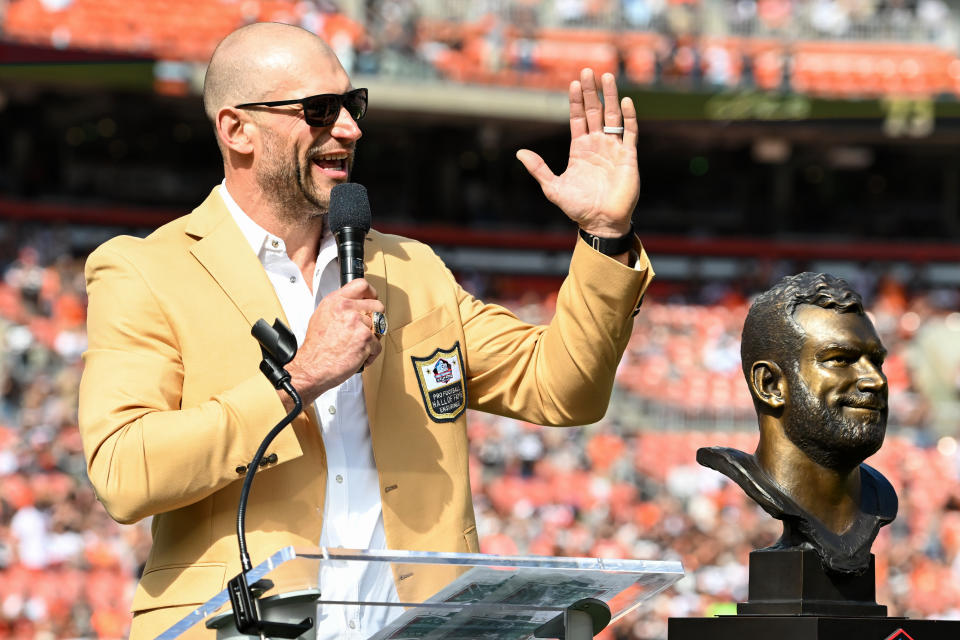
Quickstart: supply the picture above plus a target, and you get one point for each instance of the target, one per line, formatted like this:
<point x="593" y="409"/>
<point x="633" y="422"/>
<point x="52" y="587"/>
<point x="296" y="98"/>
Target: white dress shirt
<point x="352" y="517"/>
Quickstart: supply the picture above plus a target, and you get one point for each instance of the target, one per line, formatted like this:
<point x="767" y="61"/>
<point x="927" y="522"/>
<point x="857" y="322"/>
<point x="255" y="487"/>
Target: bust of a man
<point x="814" y="366"/>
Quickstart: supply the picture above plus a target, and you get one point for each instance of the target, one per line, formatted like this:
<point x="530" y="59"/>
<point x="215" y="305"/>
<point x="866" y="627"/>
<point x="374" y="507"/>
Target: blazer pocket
<point x="178" y="585"/>
<point x="419" y="329"/>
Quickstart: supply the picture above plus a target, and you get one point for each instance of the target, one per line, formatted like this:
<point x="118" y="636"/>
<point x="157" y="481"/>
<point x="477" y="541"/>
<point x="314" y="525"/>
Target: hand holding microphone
<point x="350" y="221"/>
<point x="342" y="334"/>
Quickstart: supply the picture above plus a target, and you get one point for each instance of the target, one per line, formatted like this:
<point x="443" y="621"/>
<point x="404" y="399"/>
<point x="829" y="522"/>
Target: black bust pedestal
<point x="791" y="597"/>
<point x="793" y="582"/>
<point x="810" y="628"/>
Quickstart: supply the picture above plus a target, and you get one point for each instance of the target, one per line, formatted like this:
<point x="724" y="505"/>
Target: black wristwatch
<point x="610" y="246"/>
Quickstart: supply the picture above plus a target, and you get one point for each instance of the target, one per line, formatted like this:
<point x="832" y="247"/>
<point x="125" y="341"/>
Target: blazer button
<point x="242" y="469"/>
<point x="270" y="459"/>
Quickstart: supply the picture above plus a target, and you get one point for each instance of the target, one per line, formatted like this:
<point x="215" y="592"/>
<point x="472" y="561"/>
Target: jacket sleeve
<point x="145" y="453"/>
<point x="560" y="374"/>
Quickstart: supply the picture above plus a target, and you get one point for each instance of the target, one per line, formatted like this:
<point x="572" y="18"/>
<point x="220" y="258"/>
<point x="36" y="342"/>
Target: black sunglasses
<point x="323" y="110"/>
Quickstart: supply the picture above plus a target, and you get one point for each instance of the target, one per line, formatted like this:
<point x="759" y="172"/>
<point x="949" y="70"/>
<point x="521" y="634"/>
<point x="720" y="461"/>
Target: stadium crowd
<point x="626" y="487"/>
<point x="817" y="47"/>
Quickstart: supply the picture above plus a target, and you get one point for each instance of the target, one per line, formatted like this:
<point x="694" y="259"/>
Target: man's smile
<point x="333" y="164"/>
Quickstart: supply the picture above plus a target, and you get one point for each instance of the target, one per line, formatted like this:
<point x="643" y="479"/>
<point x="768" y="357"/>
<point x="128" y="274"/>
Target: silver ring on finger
<point x="379" y="324"/>
<point x="617" y="130"/>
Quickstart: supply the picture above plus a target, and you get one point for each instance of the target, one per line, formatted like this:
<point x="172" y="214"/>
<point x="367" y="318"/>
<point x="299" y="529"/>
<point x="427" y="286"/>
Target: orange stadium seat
<point x="861" y="69"/>
<point x="567" y="58"/>
<point x="639" y="52"/>
<point x="768" y="62"/>
<point x="440" y="30"/>
<point x="579" y="36"/>
<point x="165" y="29"/>
<point x="186" y="30"/>
<point x="953" y="76"/>
<point x="641" y="64"/>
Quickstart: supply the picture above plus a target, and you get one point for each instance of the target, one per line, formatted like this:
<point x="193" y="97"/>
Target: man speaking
<point x="172" y="405"/>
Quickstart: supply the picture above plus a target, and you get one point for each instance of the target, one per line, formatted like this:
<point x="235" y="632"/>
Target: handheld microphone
<point x="349" y="221"/>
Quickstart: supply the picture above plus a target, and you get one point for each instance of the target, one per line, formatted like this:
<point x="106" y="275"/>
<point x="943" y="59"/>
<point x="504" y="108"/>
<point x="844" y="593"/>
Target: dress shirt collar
<point x="262" y="241"/>
<point x="255" y="234"/>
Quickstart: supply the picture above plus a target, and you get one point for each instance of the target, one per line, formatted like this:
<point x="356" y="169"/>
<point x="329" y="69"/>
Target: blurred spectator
<point x="829" y="18"/>
<point x="626" y="487"/>
<point x="66" y="569"/>
<point x="639" y="13"/>
<point x="933" y="14"/>
<point x="724" y="43"/>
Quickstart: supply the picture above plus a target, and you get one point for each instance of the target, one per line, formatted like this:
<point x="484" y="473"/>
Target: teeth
<point x="335" y="163"/>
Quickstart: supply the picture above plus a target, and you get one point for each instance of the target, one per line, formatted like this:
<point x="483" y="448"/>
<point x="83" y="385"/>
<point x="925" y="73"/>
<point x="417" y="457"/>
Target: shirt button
<point x="293" y="279"/>
<point x="352" y="624"/>
<point x="332" y="409"/>
<point x="339" y="479"/>
<point x="274" y="243"/>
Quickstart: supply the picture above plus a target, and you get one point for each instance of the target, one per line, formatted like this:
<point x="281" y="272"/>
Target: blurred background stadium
<point x="776" y="136"/>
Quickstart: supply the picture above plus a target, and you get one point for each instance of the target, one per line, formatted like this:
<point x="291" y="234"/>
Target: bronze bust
<point x="813" y="363"/>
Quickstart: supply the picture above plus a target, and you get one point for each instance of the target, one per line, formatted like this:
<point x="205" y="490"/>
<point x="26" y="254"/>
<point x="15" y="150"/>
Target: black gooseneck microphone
<point x="278" y="345"/>
<point x="349" y="220"/>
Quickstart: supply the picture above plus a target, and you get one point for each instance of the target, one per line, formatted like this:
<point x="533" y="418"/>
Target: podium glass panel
<point x="486" y="596"/>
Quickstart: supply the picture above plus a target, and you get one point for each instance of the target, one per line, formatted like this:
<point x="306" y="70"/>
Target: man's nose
<point x="870" y="376"/>
<point x="345" y="127"/>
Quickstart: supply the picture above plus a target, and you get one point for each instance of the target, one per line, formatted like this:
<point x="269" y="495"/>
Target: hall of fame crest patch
<point x="440" y="376"/>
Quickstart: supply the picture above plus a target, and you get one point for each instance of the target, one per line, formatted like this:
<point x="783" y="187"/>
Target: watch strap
<point x="610" y="246"/>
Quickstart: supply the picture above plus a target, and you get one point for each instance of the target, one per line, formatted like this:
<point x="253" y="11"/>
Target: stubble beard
<point x="825" y="435"/>
<point x="296" y="198"/>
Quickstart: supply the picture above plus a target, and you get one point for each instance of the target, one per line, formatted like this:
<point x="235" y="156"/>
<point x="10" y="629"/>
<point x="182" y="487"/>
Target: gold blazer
<point x="172" y="403"/>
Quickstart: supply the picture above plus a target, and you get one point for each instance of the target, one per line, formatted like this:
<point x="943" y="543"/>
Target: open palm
<point x="601" y="184"/>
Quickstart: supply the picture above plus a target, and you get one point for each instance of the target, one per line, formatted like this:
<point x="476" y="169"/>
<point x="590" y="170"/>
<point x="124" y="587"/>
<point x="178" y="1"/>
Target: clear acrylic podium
<point x="488" y="596"/>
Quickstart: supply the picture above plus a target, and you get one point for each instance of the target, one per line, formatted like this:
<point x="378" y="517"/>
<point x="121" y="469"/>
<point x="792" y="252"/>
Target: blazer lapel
<point x="375" y="274"/>
<point x="225" y="254"/>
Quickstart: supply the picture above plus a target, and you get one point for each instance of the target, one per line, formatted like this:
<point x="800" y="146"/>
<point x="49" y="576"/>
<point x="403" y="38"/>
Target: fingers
<point x="611" y="102"/>
<point x="356" y="299"/>
<point x="339" y="339"/>
<point x="630" y="125"/>
<point x="365" y="307"/>
<point x="578" y="117"/>
<point x="533" y="163"/>
<point x="589" y="115"/>
<point x="375" y="350"/>
<point x="358" y="289"/>
<point x="591" y="101"/>
<point x="358" y="302"/>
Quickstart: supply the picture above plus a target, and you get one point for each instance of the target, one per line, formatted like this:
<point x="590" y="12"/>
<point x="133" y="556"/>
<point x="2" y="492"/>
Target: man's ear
<point x="768" y="385"/>
<point x="234" y="131"/>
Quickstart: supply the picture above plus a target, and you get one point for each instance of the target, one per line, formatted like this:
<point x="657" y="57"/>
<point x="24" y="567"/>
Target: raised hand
<point x="601" y="184"/>
<point x="339" y="340"/>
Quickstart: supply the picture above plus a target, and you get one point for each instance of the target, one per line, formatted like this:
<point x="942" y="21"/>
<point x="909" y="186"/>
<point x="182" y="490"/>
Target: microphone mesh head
<point x="349" y="207"/>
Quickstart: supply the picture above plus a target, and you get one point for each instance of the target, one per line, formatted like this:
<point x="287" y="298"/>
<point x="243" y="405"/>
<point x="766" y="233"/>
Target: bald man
<point x="173" y="407"/>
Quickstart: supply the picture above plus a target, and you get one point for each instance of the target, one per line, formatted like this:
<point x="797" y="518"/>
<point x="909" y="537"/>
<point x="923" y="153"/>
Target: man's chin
<point x="319" y="200"/>
<point x="319" y="195"/>
<point x="867" y="442"/>
<point x="850" y="446"/>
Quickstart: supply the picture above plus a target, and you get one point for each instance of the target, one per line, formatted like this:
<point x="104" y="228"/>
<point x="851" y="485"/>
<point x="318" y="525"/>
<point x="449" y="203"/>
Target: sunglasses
<point x="323" y="110"/>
